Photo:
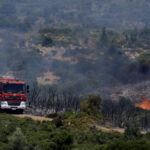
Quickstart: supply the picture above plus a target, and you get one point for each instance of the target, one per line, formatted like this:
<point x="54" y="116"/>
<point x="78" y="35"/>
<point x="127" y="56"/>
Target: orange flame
<point x="145" y="104"/>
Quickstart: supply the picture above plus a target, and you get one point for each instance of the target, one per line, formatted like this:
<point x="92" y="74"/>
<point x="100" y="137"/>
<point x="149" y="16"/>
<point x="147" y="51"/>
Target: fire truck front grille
<point x="14" y="97"/>
<point x="13" y="103"/>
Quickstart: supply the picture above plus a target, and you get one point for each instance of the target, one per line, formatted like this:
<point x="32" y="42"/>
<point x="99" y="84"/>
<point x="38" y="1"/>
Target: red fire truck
<point x="13" y="94"/>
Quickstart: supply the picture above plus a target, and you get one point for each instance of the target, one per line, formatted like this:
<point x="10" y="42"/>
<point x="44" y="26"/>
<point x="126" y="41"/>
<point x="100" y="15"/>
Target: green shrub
<point x="132" y="130"/>
<point x="46" y="40"/>
<point x="52" y="115"/>
<point x="92" y="106"/>
<point x="18" y="140"/>
<point x="64" y="140"/>
<point x="58" y="121"/>
<point x="128" y="145"/>
<point x="144" y="60"/>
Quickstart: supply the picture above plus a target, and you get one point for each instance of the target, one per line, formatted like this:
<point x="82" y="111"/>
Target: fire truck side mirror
<point x="1" y="88"/>
<point x="27" y="88"/>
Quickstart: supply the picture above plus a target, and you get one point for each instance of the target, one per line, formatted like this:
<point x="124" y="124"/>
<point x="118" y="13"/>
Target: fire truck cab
<point x="13" y="94"/>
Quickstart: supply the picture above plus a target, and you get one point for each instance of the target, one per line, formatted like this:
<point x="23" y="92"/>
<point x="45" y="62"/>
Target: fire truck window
<point x="14" y="88"/>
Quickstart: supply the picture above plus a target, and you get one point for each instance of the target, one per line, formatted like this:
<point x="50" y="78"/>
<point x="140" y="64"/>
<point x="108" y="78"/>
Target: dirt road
<point x="115" y="129"/>
<point x="99" y="127"/>
<point x="110" y="129"/>
<point x="33" y="117"/>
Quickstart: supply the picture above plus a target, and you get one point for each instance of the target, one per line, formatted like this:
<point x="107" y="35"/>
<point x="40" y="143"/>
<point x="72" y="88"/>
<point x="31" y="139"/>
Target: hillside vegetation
<point x="69" y="131"/>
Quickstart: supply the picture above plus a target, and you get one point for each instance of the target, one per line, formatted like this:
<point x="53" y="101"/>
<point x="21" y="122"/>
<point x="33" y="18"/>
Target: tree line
<point x="50" y="99"/>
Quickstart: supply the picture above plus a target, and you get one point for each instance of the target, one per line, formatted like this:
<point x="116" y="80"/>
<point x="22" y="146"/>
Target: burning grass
<point x="144" y="104"/>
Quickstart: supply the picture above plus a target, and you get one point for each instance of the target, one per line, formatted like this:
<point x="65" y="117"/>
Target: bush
<point x="132" y="130"/>
<point x="144" y="60"/>
<point x="46" y="41"/>
<point x="52" y="115"/>
<point x="129" y="145"/>
<point x="18" y="140"/>
<point x="64" y="140"/>
<point x="92" y="106"/>
<point x="58" y="121"/>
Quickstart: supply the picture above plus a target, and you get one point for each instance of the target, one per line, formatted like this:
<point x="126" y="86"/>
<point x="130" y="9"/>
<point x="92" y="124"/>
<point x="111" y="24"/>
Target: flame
<point x="144" y="104"/>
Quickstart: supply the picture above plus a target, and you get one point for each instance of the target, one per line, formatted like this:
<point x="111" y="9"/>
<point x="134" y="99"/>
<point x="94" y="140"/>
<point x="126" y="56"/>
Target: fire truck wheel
<point x="20" y="111"/>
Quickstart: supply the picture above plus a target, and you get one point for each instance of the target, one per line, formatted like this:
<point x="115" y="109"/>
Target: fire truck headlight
<point x="4" y="103"/>
<point x="23" y="103"/>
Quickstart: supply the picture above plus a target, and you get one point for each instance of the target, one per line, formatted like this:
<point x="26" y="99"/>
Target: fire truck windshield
<point x="14" y="88"/>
